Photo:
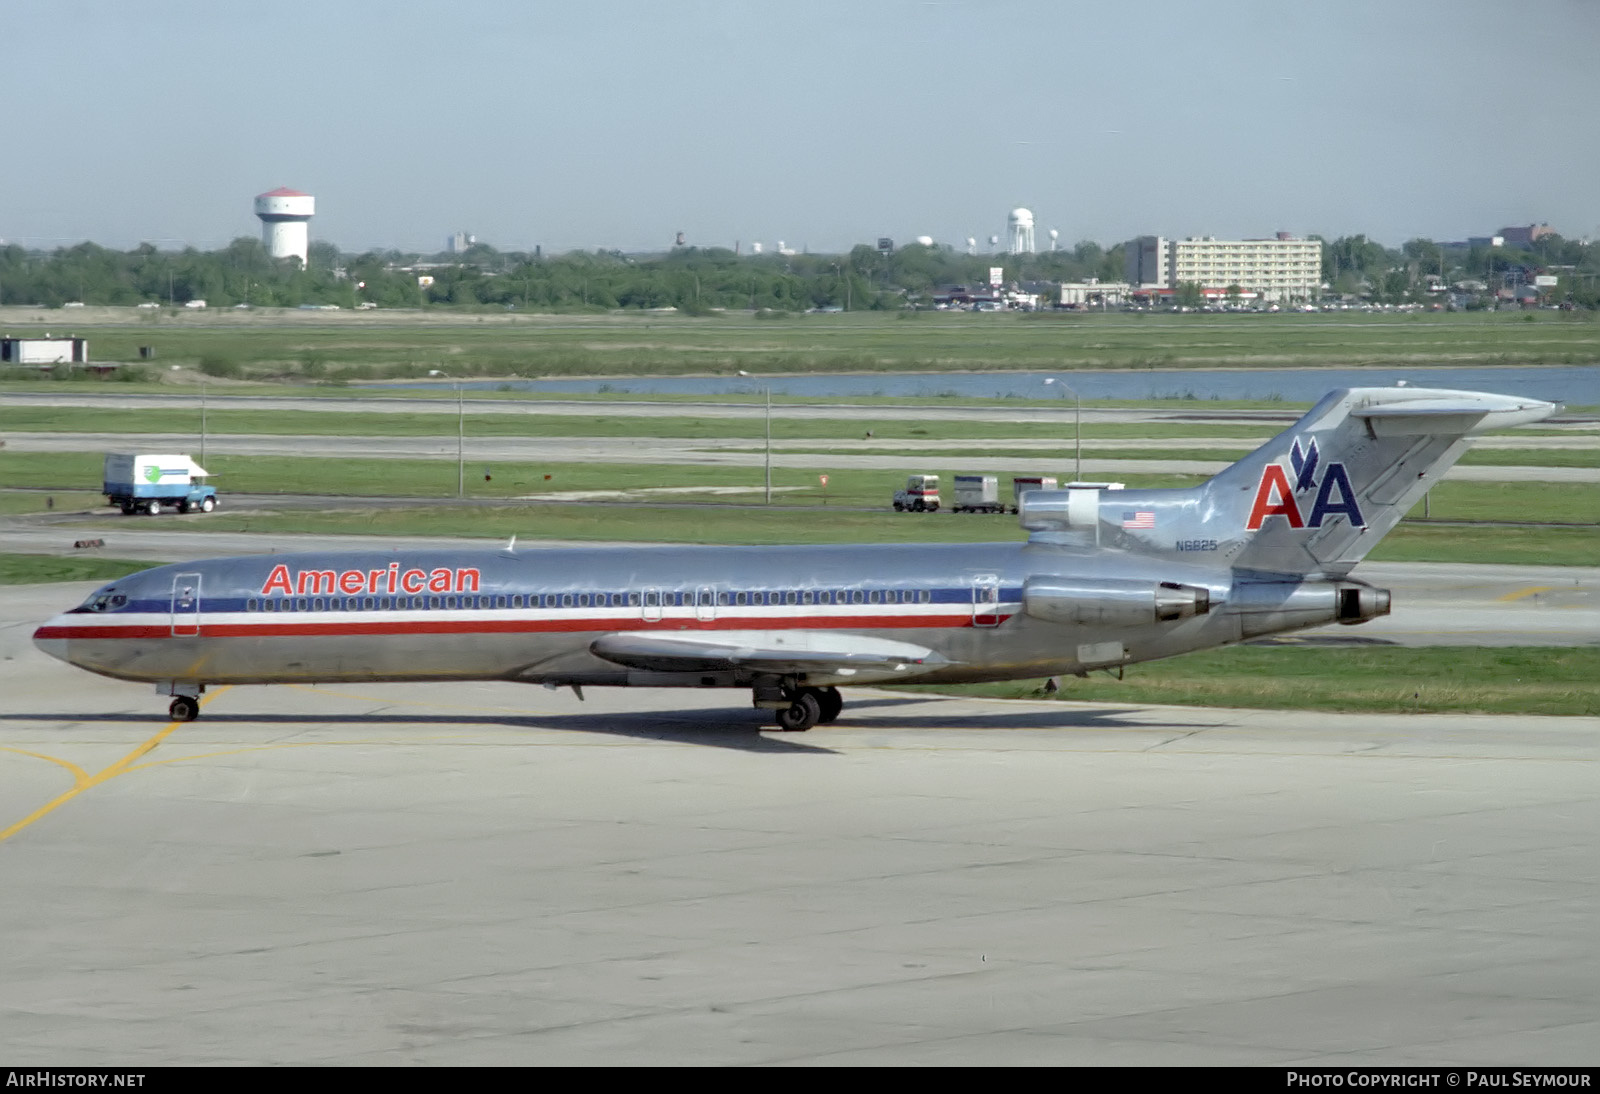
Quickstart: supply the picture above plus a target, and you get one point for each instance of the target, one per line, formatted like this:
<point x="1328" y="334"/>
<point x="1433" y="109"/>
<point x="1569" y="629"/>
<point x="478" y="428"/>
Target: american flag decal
<point x="1144" y="518"/>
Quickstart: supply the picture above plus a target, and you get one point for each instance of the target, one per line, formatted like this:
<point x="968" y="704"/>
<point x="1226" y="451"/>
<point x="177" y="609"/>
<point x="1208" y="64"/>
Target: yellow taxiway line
<point x="81" y="780"/>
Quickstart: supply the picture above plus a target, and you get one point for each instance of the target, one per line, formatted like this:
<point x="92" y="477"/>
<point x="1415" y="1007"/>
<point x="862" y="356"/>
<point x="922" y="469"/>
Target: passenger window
<point x="807" y="597"/>
<point x="740" y="598"/>
<point x="925" y="596"/>
<point x="791" y="597"/>
<point x="858" y="597"/>
<point x="633" y="600"/>
<point x="874" y="597"/>
<point x="300" y="604"/>
<point x="317" y="604"/>
<point x="250" y="605"/>
<point x="434" y="602"/>
<point x="369" y="603"/>
<point x="566" y="600"/>
<point x="499" y="602"/>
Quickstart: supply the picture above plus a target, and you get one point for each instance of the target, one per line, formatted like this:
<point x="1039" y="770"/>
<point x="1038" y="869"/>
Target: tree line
<point x="691" y="279"/>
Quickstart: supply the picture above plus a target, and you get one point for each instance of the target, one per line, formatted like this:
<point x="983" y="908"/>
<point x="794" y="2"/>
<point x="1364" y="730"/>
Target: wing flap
<point x="777" y="652"/>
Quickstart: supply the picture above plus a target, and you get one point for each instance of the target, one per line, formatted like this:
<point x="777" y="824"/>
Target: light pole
<point x="768" y="389"/>
<point x="1077" y="426"/>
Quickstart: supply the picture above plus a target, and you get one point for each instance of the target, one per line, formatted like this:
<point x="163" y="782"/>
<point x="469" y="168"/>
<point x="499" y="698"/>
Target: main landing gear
<point x="808" y="707"/>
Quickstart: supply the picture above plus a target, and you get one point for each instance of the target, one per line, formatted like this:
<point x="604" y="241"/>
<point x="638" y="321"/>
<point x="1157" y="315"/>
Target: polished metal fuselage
<point x="532" y="615"/>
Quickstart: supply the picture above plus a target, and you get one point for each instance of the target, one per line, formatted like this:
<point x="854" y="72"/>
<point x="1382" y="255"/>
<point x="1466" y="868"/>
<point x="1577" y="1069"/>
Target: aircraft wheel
<point x="207" y="505"/>
<point x="831" y="703"/>
<point x="184" y="708"/>
<point x="801" y="714"/>
<point x="153" y="507"/>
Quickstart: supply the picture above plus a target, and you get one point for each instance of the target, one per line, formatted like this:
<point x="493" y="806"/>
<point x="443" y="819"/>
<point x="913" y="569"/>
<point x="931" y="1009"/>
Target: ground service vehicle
<point x="141" y="483"/>
<point x="978" y="494"/>
<point x="921" y="495"/>
<point x="1023" y="483"/>
<point x="1107" y="578"/>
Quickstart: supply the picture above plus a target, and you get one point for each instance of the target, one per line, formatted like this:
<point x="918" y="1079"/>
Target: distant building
<point x="1277" y="269"/>
<point x="1093" y="294"/>
<point x="1526" y="237"/>
<point x="459" y="242"/>
<point x="44" y="351"/>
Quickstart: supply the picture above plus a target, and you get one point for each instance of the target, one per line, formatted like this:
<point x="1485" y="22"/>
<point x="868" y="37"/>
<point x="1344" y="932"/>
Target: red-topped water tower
<point x="285" y="222"/>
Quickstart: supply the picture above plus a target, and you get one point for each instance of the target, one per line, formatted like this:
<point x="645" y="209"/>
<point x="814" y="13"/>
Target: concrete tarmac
<point x="488" y="873"/>
<point x="739" y="452"/>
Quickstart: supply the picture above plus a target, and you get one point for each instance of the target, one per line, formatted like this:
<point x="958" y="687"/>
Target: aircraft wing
<point x="779" y="652"/>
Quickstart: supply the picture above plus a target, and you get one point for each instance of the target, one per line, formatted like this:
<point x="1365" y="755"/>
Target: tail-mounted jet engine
<point x="1267" y="607"/>
<point x="1110" y="602"/>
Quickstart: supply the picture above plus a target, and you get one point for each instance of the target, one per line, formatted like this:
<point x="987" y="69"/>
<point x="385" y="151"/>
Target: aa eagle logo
<point x="1276" y="496"/>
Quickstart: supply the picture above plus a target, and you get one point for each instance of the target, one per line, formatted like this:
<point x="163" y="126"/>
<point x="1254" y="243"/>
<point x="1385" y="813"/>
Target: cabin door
<point x="186" y="605"/>
<point x="985" y="600"/>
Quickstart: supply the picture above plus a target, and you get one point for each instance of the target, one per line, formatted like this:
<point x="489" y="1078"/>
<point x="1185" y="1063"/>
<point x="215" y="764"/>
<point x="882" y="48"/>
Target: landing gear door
<point x="985" y="600"/>
<point x="186" y="605"/>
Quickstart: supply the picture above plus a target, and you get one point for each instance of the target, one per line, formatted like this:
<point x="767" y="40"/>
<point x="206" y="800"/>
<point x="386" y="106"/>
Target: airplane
<point x="1106" y="579"/>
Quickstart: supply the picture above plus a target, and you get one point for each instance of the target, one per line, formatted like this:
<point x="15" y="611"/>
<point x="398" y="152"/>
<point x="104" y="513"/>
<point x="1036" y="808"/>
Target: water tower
<point x="285" y="222"/>
<point x="1019" y="228"/>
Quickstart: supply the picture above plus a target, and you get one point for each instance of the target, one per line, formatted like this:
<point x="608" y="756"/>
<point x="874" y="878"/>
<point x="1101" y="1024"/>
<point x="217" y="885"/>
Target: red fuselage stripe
<point x="297" y="628"/>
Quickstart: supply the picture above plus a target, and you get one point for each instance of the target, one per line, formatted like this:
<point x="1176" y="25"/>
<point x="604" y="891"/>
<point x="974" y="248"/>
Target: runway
<point x="732" y="452"/>
<point x="496" y="874"/>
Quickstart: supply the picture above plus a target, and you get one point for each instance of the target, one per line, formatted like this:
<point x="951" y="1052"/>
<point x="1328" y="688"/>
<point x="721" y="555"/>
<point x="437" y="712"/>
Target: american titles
<point x="391" y="579"/>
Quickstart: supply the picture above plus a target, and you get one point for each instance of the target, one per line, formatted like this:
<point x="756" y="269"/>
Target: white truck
<point x="978" y="494"/>
<point x="141" y="483"/>
<point x="921" y="495"/>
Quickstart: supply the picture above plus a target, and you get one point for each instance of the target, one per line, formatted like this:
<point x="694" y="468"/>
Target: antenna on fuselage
<point x="511" y="548"/>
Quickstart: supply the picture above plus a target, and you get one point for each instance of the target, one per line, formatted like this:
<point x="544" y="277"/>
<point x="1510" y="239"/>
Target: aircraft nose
<point x="51" y="639"/>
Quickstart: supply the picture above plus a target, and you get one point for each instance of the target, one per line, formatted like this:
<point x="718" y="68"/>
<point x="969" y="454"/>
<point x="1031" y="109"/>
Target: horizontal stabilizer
<point x="774" y="652"/>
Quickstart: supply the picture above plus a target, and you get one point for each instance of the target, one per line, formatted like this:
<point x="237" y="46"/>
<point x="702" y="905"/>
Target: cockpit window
<point x="105" y="601"/>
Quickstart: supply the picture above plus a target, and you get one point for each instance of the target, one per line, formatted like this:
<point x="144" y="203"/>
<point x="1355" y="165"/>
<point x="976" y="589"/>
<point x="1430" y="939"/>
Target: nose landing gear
<point x="184" y="708"/>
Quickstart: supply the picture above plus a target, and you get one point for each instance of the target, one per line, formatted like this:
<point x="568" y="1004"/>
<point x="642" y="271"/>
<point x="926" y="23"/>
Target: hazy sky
<point x="820" y="123"/>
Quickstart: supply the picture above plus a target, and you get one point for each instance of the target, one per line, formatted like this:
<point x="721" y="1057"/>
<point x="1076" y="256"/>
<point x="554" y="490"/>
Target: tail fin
<point x="1314" y="499"/>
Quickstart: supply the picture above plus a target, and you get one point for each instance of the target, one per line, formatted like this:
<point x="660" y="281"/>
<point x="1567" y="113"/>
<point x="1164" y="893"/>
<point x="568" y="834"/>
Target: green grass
<point x="1499" y="546"/>
<point x="18" y="502"/>
<point x="36" y="569"/>
<point x="642" y="344"/>
<point x="438" y="478"/>
<point x="1505" y="680"/>
<point x="641" y="523"/>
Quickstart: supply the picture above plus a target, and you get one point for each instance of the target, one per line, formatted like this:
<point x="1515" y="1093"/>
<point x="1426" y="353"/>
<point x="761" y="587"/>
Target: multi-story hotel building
<point x="1278" y="269"/>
